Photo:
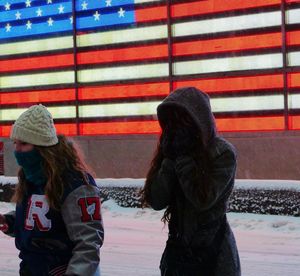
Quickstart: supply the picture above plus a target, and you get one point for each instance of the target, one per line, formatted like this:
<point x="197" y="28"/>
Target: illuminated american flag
<point x="107" y="71"/>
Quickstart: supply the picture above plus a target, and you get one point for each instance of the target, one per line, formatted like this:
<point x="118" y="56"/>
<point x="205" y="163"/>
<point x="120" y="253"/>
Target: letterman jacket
<point x="59" y="242"/>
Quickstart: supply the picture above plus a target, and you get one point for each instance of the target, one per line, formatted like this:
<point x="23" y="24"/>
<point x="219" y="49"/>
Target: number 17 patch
<point x="90" y="208"/>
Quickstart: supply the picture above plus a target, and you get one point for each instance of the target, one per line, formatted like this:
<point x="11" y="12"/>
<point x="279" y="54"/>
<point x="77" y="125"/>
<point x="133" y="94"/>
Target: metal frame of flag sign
<point x="103" y="66"/>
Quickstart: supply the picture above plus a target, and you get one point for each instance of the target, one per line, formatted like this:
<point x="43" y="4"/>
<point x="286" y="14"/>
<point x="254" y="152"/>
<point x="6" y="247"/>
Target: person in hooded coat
<point x="192" y="176"/>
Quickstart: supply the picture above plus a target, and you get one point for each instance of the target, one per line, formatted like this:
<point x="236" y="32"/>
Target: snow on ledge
<point x="8" y="180"/>
<point x="265" y="184"/>
<point x="245" y="184"/>
<point x="121" y="182"/>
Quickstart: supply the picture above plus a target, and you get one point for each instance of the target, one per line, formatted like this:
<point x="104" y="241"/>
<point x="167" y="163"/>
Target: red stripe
<point x="293" y="38"/>
<point x="91" y="57"/>
<point x="221" y="45"/>
<point x="294" y="122"/>
<point x="57" y="95"/>
<point x="251" y="124"/>
<point x="294" y="80"/>
<point x="126" y="54"/>
<point x="292" y="1"/>
<point x="215" y="6"/>
<point x="152" y="127"/>
<point x="233" y="84"/>
<point x="100" y="128"/>
<point x="123" y="91"/>
<point x="18" y="64"/>
<point x="58" y="271"/>
<point x="151" y="14"/>
<point x="67" y="129"/>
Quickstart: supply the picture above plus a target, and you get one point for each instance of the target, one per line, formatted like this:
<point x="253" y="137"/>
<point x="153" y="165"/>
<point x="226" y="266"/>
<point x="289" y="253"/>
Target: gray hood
<point x="197" y="105"/>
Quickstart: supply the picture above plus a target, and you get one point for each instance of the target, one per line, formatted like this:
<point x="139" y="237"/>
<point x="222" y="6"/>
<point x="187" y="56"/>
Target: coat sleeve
<point x="162" y="185"/>
<point x="81" y="212"/>
<point x="220" y="177"/>
<point x="10" y="220"/>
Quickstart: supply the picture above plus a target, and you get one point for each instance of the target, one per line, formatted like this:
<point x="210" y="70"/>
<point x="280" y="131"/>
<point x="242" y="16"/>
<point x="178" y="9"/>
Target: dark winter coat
<point x="65" y="242"/>
<point x="193" y="224"/>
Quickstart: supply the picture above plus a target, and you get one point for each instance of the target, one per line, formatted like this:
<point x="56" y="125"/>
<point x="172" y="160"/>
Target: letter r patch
<point x="37" y="209"/>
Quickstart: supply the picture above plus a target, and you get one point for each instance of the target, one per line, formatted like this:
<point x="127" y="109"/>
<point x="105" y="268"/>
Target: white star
<point x="71" y="19"/>
<point x="97" y="16"/>
<point x="7" y="6"/>
<point x="39" y="12"/>
<point x="28" y="3"/>
<point x="18" y="15"/>
<point x="50" y="21"/>
<point x="108" y="3"/>
<point x="28" y="25"/>
<point x="84" y="5"/>
<point x="7" y="27"/>
<point x="49" y="1"/>
<point x="61" y="9"/>
<point x="121" y="12"/>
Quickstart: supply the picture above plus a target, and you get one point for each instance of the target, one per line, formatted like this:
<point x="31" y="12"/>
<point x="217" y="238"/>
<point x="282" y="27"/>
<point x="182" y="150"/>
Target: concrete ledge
<point x="261" y="155"/>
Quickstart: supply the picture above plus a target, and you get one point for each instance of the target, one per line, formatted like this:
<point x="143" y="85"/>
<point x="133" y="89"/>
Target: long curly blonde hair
<point x="57" y="159"/>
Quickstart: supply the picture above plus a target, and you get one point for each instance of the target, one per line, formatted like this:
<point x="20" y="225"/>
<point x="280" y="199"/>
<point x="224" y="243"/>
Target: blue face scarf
<point x="31" y="162"/>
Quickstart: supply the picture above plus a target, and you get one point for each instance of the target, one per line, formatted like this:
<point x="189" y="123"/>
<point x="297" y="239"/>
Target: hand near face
<point x="178" y="141"/>
<point x="184" y="141"/>
<point x="3" y="224"/>
<point x="167" y="144"/>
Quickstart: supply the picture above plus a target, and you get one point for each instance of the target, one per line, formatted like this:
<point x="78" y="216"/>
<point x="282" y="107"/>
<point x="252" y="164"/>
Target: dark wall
<point x="269" y="155"/>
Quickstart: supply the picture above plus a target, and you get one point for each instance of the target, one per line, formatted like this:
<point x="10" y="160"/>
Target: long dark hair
<point x="57" y="159"/>
<point x="199" y="154"/>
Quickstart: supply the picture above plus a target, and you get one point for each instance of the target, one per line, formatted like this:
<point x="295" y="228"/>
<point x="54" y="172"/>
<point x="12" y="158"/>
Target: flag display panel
<point x="102" y="67"/>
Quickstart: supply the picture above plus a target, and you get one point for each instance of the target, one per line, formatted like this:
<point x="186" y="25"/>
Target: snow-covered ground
<point x="134" y="240"/>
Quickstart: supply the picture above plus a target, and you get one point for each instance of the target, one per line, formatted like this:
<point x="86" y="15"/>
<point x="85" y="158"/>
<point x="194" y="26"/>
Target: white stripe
<point x="120" y="36"/>
<point x="57" y="113"/>
<point x="294" y="101"/>
<point x="36" y="79"/>
<point x="119" y="109"/>
<point x="232" y="23"/>
<point x="228" y="64"/>
<point x="123" y="72"/>
<point x="10" y="114"/>
<point x="230" y="104"/>
<point x="294" y="59"/>
<point x="93" y="39"/>
<point x="63" y="112"/>
<point x="254" y="103"/>
<point x="33" y="46"/>
<point x="293" y="16"/>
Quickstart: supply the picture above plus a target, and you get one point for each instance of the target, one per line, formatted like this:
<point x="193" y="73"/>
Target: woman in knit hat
<point x="192" y="175"/>
<point x="57" y="224"/>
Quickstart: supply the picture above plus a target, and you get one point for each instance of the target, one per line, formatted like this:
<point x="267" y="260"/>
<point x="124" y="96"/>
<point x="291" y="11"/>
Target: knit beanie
<point x="35" y="126"/>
